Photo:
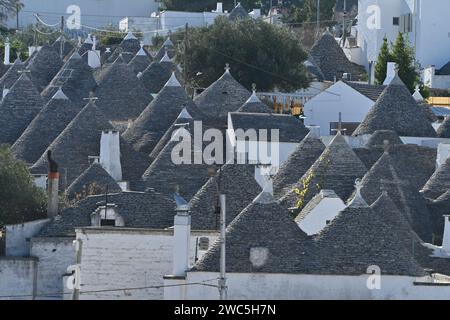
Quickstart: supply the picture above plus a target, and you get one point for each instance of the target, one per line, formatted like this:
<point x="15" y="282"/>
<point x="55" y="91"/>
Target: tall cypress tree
<point x="381" y="66"/>
<point x="403" y="55"/>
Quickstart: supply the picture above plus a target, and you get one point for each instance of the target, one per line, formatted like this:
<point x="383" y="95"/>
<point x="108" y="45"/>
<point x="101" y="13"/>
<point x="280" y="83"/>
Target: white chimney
<point x="219" y="8"/>
<point x="94" y="43"/>
<point x="417" y="95"/>
<point x="5" y="92"/>
<point x="110" y="154"/>
<point x="446" y="240"/>
<point x="94" y="59"/>
<point x="7" y="53"/>
<point x="181" y="237"/>
<point x="443" y="153"/>
<point x="390" y="74"/>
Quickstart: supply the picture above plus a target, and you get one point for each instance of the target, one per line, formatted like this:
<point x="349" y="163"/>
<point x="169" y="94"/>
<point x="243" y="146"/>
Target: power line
<point x="203" y="283"/>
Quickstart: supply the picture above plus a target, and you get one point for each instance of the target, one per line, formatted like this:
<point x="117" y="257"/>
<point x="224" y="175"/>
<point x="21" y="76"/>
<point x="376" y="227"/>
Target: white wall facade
<point x="55" y="255"/>
<point x="96" y="13"/>
<point x="128" y="258"/>
<point x="326" y="210"/>
<point x="430" y="28"/>
<point x="266" y="286"/>
<point x="17" y="278"/>
<point x="18" y="237"/>
<point x="324" y="108"/>
<point x="431" y="80"/>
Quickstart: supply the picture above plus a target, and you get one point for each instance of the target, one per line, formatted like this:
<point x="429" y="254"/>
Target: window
<point x="396" y="21"/>
<point x="327" y="222"/>
<point x="203" y="243"/>
<point x="406" y="23"/>
<point x="108" y="223"/>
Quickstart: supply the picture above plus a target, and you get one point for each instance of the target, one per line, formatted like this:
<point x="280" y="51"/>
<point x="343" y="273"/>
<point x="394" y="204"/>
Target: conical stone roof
<point x="379" y="138"/>
<point x="263" y="238"/>
<point x="167" y="47"/>
<point x="298" y="163"/>
<point x="44" y="65"/>
<point x="75" y="78"/>
<point x="140" y="61"/>
<point x="359" y="238"/>
<point x="237" y="13"/>
<point x="396" y="110"/>
<point x="223" y="96"/>
<point x="329" y="57"/>
<point x="166" y="176"/>
<point x="45" y="127"/>
<point x="129" y="46"/>
<point x="183" y="118"/>
<point x="237" y="183"/>
<point x="439" y="183"/>
<point x="13" y="73"/>
<point x="383" y="176"/>
<point x="254" y="105"/>
<point x="18" y="108"/>
<point x="155" y="76"/>
<point x="444" y="129"/>
<point x="336" y="169"/>
<point x="76" y="143"/>
<point x="121" y="96"/>
<point x="94" y="180"/>
<point x="154" y="121"/>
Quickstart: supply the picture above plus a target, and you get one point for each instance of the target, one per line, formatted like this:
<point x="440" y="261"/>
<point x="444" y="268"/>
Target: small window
<point x="108" y="223"/>
<point x="203" y="243"/>
<point x="396" y="21"/>
<point x="328" y="222"/>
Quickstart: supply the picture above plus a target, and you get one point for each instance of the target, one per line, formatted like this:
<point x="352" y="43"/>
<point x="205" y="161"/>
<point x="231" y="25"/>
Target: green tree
<point x="403" y="55"/>
<point x="381" y="66"/>
<point x="20" y="199"/>
<point x="257" y="52"/>
<point x="307" y="12"/>
<point x="8" y="8"/>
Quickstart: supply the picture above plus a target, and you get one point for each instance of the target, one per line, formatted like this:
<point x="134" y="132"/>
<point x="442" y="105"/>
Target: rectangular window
<point x="108" y="223"/>
<point x="406" y="23"/>
<point x="396" y="21"/>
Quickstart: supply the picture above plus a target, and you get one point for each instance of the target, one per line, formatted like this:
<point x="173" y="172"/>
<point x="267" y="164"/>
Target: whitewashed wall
<point x="430" y="28"/>
<point x="307" y="287"/>
<point x="324" y="108"/>
<point x="317" y="218"/>
<point x="55" y="255"/>
<point x="17" y="278"/>
<point x="128" y="258"/>
<point x="18" y="237"/>
<point x="97" y="13"/>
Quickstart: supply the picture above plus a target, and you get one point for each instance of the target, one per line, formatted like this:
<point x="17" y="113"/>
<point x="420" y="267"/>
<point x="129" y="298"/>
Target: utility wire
<point x="203" y="283"/>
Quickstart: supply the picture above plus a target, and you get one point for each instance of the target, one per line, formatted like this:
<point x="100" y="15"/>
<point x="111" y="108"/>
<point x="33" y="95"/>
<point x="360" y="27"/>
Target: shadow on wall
<point x="2" y="242"/>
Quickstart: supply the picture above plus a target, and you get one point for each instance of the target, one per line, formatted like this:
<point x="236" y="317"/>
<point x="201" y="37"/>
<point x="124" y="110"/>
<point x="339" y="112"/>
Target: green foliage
<point x="381" y="66"/>
<point x="20" y="199"/>
<point x="157" y="41"/>
<point x="402" y="53"/>
<point x="112" y="35"/>
<point x="257" y="52"/>
<point x="307" y="12"/>
<point x="9" y="7"/>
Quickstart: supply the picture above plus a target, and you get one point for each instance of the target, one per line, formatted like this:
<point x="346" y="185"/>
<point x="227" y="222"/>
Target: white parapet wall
<point x="267" y="286"/>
